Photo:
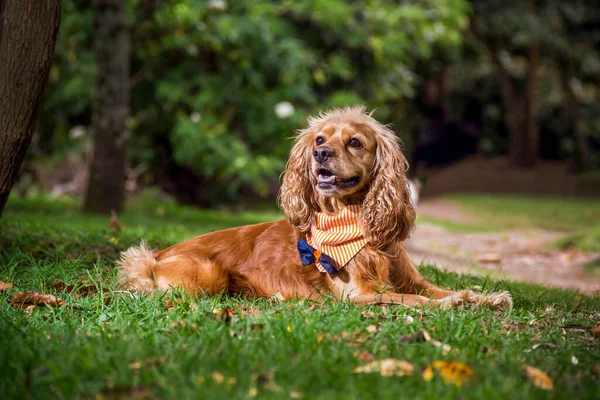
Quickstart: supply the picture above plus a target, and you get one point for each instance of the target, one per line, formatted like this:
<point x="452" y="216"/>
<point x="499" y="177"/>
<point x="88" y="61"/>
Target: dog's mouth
<point x="327" y="180"/>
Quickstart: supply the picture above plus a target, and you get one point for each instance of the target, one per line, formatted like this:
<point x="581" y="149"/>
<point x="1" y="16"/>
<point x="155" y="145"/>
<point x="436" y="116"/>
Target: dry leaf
<point x="373" y="329"/>
<point x="539" y="378"/>
<point x="543" y="346"/>
<point x="363" y="356"/>
<point x="277" y="298"/>
<point x="250" y="311"/>
<point x="387" y="367"/>
<point x="596" y="331"/>
<point x="453" y="372"/>
<point x="218" y="377"/>
<point x="225" y="314"/>
<point x="137" y="365"/>
<point x="22" y="299"/>
<point x="368" y="314"/>
<point x="5" y="285"/>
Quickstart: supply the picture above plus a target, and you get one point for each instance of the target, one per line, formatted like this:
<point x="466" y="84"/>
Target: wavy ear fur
<point x="387" y="212"/>
<point x="296" y="197"/>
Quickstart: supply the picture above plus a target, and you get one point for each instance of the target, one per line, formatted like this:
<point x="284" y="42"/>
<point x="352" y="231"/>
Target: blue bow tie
<point x="309" y="255"/>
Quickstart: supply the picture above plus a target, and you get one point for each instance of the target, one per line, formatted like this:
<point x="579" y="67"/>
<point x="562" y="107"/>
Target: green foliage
<point x="114" y="344"/>
<point x="208" y="76"/>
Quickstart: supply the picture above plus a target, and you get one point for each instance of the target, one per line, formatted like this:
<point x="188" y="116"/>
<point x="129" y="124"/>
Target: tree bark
<point x="574" y="107"/>
<point x="524" y="149"/>
<point x="28" y="30"/>
<point x="106" y="186"/>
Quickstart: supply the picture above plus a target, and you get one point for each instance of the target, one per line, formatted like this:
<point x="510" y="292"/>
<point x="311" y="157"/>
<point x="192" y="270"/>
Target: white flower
<point x="77" y="132"/>
<point x="220" y="5"/>
<point x="284" y="109"/>
<point x="195" y="117"/>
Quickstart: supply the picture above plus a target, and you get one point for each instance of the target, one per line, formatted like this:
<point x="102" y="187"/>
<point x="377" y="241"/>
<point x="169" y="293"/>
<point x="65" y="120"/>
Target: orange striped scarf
<point x="340" y="236"/>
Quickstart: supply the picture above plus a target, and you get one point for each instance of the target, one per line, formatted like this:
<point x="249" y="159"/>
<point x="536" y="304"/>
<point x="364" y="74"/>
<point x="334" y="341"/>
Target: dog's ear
<point x="296" y="197"/>
<point x="387" y="212"/>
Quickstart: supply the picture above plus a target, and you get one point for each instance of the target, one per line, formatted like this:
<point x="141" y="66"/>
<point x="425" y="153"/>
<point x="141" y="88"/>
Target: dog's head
<point x="346" y="157"/>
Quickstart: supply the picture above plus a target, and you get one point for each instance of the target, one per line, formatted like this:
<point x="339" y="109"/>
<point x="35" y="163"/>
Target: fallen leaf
<point x="218" y="377"/>
<point x="368" y="314"/>
<point x="596" y="331"/>
<point x="250" y="311"/>
<point x="363" y="356"/>
<point x="5" y="285"/>
<point x="225" y="314"/>
<point x="386" y="367"/>
<point x="373" y="329"/>
<point x="539" y="378"/>
<point x="137" y="365"/>
<point x="452" y="372"/>
<point x="22" y="299"/>
<point x="543" y="346"/>
<point x="277" y="298"/>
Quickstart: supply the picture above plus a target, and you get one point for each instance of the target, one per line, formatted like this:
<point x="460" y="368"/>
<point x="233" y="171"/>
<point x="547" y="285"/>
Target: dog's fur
<point x="262" y="260"/>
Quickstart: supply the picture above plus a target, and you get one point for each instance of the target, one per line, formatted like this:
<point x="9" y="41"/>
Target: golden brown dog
<point x="343" y="158"/>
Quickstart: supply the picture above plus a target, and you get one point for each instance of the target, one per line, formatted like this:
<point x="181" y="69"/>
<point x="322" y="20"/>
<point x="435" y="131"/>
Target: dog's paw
<point x="454" y="300"/>
<point x="498" y="300"/>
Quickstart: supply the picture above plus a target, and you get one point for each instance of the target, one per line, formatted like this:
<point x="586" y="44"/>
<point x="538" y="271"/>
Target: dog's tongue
<point x="326" y="179"/>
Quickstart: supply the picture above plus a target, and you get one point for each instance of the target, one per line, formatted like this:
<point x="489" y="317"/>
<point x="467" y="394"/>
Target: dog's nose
<point x="322" y="154"/>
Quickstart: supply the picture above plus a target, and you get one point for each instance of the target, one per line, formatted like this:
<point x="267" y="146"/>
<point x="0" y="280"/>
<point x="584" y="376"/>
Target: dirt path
<point x="519" y="255"/>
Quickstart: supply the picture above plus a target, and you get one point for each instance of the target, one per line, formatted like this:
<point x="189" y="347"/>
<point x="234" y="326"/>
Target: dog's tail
<point x="136" y="268"/>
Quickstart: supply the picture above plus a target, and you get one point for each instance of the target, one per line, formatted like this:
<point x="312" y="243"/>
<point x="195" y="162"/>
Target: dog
<point x="347" y="207"/>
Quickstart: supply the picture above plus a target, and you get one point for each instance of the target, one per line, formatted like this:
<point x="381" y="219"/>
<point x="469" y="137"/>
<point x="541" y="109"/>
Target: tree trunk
<point x="574" y="107"/>
<point x="28" y="30"/>
<point x="106" y="186"/>
<point x="524" y="149"/>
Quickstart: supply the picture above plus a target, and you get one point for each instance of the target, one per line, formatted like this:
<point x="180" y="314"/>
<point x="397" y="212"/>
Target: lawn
<point x="578" y="218"/>
<point x="108" y="343"/>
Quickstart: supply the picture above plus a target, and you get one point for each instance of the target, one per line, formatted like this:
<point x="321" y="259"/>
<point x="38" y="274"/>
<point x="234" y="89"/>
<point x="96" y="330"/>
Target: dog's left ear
<point x="387" y="212"/>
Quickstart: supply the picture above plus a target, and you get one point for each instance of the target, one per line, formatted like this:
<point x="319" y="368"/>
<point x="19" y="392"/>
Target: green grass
<point x="578" y="218"/>
<point x="86" y="350"/>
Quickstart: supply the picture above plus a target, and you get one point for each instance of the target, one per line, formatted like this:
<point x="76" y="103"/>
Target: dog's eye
<point x="320" y="140"/>
<point x="354" y="143"/>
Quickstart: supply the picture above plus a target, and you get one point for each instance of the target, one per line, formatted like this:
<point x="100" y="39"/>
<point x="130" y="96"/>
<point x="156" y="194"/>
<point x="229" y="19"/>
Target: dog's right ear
<point x="296" y="197"/>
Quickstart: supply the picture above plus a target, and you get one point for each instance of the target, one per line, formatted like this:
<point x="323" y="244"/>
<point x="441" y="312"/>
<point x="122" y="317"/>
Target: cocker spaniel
<point x="347" y="206"/>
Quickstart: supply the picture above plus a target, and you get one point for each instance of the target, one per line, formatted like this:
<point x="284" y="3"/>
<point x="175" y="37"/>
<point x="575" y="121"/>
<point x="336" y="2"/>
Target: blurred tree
<point x="525" y="41"/>
<point x="28" y="30"/>
<point x="218" y="86"/>
<point x="106" y="186"/>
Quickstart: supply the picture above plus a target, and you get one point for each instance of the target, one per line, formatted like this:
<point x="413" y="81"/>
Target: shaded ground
<point x="516" y="254"/>
<point x="479" y="174"/>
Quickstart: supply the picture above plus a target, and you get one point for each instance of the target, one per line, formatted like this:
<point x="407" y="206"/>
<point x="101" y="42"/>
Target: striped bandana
<point x="340" y="237"/>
